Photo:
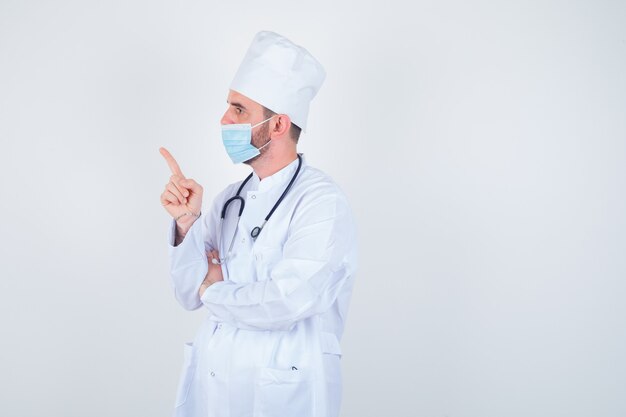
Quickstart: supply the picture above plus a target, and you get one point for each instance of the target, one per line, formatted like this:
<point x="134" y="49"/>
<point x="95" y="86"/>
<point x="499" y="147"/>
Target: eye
<point x="238" y="110"/>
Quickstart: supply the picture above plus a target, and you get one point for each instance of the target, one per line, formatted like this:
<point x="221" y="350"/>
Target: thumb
<point x="191" y="184"/>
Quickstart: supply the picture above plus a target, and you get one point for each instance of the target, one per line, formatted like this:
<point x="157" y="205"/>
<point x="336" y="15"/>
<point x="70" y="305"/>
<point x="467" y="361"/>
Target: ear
<point x="282" y="124"/>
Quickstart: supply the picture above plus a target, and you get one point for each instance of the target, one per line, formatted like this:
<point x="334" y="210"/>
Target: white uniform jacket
<point x="270" y="343"/>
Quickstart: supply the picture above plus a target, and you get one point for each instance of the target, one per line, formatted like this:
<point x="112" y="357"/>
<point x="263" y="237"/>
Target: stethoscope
<point x="242" y="203"/>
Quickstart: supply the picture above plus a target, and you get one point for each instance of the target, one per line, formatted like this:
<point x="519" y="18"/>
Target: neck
<point x="273" y="164"/>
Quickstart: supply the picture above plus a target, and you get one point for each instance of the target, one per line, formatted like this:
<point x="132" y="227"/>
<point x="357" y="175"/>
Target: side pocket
<point x="330" y="344"/>
<point x="280" y="392"/>
<point x="186" y="374"/>
<point x="331" y="358"/>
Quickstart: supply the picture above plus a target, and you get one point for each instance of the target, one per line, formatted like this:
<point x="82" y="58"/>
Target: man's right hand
<point x="181" y="194"/>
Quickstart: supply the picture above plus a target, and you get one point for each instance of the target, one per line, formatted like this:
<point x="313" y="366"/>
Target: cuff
<point x="171" y="235"/>
<point x="192" y="246"/>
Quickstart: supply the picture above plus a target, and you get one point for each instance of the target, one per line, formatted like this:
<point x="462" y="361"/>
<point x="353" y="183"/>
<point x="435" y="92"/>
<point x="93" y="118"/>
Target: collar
<point x="283" y="176"/>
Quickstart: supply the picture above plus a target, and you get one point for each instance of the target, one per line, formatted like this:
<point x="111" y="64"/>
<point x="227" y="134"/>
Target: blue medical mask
<point x="237" y="139"/>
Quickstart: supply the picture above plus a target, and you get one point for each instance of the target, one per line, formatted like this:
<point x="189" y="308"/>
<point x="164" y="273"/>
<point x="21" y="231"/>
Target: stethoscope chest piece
<point x="255" y="232"/>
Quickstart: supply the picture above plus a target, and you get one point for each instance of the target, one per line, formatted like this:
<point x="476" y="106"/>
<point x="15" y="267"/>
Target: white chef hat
<point x="279" y="75"/>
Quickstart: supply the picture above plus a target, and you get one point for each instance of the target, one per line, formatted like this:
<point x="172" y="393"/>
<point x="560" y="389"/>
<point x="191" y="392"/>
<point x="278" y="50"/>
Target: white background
<point x="482" y="145"/>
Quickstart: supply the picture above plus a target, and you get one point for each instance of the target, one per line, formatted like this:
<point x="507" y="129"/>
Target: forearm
<point x="181" y="231"/>
<point x="179" y="236"/>
<point x="268" y="305"/>
<point x="188" y="264"/>
<point x="313" y="267"/>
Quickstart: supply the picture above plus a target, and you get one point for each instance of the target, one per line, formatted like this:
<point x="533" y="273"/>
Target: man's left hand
<point x="214" y="273"/>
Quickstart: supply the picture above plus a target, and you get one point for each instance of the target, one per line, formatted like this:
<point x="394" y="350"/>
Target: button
<point x="212" y="373"/>
<point x="219" y="326"/>
<point x="253" y="196"/>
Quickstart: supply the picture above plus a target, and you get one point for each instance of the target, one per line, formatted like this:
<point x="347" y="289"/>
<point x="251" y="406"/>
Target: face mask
<point x="237" y="139"/>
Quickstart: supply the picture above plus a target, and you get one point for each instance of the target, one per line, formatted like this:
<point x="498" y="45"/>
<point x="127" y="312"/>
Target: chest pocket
<point x="265" y="259"/>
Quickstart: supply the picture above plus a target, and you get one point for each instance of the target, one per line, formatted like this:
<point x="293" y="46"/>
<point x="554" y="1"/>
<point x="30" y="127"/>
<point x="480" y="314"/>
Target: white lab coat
<point x="270" y="343"/>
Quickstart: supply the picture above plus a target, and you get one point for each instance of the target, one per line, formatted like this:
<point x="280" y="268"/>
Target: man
<point x="272" y="261"/>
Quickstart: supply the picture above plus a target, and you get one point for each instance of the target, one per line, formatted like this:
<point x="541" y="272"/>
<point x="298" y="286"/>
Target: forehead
<point x="235" y="98"/>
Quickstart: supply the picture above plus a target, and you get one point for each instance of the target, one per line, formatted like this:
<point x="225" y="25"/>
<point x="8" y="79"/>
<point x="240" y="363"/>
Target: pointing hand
<point x="181" y="194"/>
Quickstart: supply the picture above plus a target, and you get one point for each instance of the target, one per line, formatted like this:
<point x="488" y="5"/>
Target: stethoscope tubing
<point x="242" y="203"/>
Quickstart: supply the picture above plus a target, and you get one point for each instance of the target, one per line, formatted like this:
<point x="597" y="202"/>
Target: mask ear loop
<point x="268" y="142"/>
<point x="260" y="123"/>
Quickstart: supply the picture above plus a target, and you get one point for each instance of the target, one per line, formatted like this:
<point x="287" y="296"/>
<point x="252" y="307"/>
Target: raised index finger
<point x="171" y="162"/>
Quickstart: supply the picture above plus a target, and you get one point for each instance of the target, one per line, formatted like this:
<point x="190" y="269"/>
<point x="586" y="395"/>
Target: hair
<point x="294" y="130"/>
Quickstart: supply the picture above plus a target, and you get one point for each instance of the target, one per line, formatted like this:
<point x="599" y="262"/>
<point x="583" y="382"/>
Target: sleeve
<point x="304" y="282"/>
<point x="188" y="260"/>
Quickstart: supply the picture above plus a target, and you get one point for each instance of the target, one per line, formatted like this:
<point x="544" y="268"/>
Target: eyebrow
<point x="237" y="105"/>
